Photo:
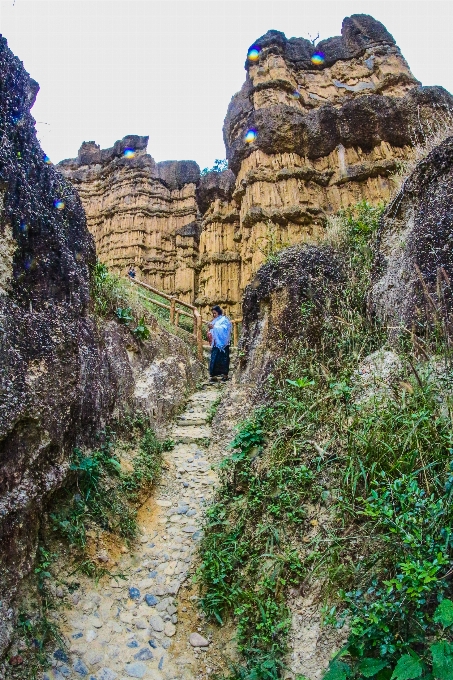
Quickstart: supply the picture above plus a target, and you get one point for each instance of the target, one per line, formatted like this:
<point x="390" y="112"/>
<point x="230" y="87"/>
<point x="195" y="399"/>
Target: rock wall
<point x="316" y="129"/>
<point x="140" y="212"/>
<point x="63" y="373"/>
<point x="414" y="260"/>
<point x="313" y="130"/>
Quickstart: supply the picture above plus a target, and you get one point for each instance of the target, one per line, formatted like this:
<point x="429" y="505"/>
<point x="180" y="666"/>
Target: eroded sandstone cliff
<point x="140" y="212"/>
<point x="312" y="130"/>
<point x="63" y="373"/>
<point x="329" y="125"/>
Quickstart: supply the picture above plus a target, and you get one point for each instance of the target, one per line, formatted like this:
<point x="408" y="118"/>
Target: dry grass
<point x="429" y="134"/>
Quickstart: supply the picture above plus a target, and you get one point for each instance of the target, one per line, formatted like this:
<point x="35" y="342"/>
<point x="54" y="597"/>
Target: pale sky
<point x="167" y="69"/>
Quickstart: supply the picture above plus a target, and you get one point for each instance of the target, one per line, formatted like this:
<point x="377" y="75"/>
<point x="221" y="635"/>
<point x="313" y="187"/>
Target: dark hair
<point x="218" y="310"/>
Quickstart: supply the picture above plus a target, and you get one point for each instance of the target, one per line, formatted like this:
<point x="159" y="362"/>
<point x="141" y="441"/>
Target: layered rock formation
<point x="312" y="130"/>
<point x="329" y="125"/>
<point x="140" y="212"/>
<point x="63" y="374"/>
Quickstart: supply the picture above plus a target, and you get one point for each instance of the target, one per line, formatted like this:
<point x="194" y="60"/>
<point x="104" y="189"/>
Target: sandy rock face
<point x="139" y="211"/>
<point x="330" y="123"/>
<point x="312" y="130"/>
<point x="62" y="374"/>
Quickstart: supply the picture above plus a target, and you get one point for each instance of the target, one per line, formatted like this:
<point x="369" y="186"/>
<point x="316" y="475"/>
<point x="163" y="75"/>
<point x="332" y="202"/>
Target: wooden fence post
<point x="177" y="317"/>
<point x="172" y="309"/>
<point x="199" y="335"/>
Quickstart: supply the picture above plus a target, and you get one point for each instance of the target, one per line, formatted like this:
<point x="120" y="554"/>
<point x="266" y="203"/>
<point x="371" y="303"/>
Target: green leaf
<point x="301" y="382"/>
<point x="442" y="653"/>
<point x="115" y="463"/>
<point x="444" y="613"/>
<point x="337" y="671"/>
<point x="370" y="667"/>
<point x="408" y="667"/>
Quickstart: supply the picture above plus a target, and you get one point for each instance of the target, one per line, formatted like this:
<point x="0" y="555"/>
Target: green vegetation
<point x="117" y="298"/>
<point x="106" y="487"/>
<point x="114" y="297"/>
<point x="212" y="410"/>
<point x="35" y="630"/>
<point x="102" y="494"/>
<point x="220" y="164"/>
<point x="329" y="482"/>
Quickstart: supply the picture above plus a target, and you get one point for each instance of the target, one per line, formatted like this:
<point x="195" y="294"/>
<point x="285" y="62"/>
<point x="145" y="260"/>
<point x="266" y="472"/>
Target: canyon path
<point x="145" y="625"/>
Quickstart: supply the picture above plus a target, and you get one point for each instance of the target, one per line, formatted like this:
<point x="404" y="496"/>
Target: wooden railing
<point x="188" y="310"/>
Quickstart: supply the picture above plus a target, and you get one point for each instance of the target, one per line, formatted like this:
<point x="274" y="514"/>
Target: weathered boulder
<point x="63" y="373"/>
<point x="414" y="262"/>
<point x="272" y="318"/>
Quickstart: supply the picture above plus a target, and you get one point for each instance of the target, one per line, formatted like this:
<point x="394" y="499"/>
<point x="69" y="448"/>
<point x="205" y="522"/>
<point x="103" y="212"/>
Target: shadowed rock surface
<point x="63" y="374"/>
<point x="417" y="233"/>
<point x="272" y="318"/>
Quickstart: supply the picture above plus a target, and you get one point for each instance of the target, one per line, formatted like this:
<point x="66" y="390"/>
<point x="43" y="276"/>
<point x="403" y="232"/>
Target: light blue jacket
<point x="221" y="332"/>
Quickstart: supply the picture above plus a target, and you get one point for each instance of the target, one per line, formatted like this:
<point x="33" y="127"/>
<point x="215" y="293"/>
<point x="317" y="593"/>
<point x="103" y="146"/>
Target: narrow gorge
<point x="295" y="523"/>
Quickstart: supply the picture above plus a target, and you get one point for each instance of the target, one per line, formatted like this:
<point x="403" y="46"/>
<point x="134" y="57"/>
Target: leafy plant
<point x="124" y="315"/>
<point x="301" y="382"/>
<point x="141" y="331"/>
<point x="44" y="561"/>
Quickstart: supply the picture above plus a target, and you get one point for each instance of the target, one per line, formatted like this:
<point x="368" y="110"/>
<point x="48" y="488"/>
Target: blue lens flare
<point x="250" y="136"/>
<point x="318" y="58"/>
<point x="254" y="53"/>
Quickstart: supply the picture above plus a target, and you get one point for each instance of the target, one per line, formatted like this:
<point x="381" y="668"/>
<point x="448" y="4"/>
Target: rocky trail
<point x="146" y="625"/>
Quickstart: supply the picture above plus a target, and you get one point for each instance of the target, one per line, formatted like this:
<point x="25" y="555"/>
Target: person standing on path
<point x="219" y="336"/>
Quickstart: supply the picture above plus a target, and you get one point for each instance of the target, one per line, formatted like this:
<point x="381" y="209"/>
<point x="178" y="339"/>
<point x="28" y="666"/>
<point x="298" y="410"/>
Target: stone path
<point x="129" y="628"/>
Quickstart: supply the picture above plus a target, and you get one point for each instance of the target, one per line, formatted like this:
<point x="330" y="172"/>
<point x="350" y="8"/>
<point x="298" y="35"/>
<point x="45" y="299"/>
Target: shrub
<point x="219" y="166"/>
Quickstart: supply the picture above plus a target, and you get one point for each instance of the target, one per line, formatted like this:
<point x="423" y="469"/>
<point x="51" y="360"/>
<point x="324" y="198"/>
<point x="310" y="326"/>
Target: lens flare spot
<point x="23" y="226"/>
<point x="254" y="53"/>
<point x="59" y="204"/>
<point x="28" y="262"/>
<point x="128" y="153"/>
<point x="47" y="160"/>
<point x="296" y="94"/>
<point x="318" y="58"/>
<point x="250" y="136"/>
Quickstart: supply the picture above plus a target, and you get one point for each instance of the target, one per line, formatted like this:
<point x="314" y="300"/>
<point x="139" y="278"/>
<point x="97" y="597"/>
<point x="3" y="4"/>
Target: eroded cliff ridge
<point x="313" y="129"/>
<point x="139" y="211"/>
<point x="64" y="373"/>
